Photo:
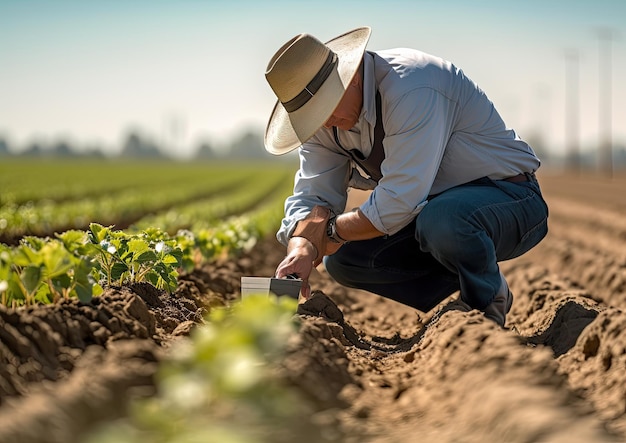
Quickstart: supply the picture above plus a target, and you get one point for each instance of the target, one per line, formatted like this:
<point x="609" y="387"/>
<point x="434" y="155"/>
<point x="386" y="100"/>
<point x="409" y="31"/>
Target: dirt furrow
<point x="600" y="229"/>
<point x="587" y="339"/>
<point x="600" y="273"/>
<point x="66" y="367"/>
<point x="587" y="251"/>
<point x="456" y="378"/>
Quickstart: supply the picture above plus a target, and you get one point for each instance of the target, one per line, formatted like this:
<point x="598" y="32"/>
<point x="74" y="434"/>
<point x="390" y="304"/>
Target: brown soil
<point x="378" y="371"/>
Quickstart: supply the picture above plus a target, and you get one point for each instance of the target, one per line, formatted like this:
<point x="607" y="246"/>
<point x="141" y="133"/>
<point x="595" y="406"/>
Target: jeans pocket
<point x="530" y="239"/>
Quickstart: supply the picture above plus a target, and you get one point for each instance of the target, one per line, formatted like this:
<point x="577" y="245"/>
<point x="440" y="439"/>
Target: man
<point x="454" y="190"/>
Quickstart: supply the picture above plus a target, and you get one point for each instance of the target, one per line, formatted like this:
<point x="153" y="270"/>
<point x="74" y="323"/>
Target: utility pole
<point x="572" y="113"/>
<point x="605" y="140"/>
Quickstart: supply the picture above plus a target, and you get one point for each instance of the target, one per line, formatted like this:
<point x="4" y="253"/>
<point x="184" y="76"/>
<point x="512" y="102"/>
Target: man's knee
<point x="432" y="227"/>
<point x="442" y="232"/>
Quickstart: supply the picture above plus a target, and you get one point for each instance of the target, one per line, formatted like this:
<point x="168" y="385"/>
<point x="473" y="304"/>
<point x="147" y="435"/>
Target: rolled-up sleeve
<point x="321" y="180"/>
<point x="417" y="127"/>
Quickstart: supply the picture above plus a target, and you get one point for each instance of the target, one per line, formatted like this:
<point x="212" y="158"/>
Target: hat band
<point x="314" y="85"/>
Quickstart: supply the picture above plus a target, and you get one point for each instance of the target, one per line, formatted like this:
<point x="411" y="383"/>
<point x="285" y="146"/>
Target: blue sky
<point x="182" y="71"/>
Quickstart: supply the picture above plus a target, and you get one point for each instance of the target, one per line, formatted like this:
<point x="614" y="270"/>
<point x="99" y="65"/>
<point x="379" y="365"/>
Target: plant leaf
<point x="31" y="277"/>
<point x="117" y="270"/>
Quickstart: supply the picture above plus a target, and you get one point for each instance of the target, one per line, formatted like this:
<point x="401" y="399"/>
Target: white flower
<point x="104" y="244"/>
<point x="4" y="285"/>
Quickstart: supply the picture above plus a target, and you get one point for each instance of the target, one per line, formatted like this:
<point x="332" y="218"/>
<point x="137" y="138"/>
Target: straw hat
<point x="309" y="78"/>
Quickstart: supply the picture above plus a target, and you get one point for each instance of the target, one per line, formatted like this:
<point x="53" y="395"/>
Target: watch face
<point x="329" y="229"/>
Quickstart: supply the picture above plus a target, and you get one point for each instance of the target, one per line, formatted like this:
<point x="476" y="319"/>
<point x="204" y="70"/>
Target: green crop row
<point x="58" y="181"/>
<point x="80" y="263"/>
<point x="205" y="212"/>
<point x="125" y="207"/>
<point x="48" y="216"/>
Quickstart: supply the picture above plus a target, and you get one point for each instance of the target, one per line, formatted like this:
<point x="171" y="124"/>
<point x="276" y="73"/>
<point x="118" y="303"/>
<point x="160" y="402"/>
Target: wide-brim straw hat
<point x="309" y="79"/>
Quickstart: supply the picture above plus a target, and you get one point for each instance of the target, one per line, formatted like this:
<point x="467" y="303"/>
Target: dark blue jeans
<point x="455" y="243"/>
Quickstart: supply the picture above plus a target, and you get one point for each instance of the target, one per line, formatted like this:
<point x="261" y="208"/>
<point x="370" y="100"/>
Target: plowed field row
<point x="576" y="284"/>
<point x="586" y="243"/>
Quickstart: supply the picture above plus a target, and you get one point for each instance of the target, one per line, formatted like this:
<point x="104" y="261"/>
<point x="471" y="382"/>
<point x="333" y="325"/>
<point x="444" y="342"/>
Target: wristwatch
<point x="331" y="231"/>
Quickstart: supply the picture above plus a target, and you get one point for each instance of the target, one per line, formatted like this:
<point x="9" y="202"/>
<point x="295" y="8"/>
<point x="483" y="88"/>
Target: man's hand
<point x="299" y="260"/>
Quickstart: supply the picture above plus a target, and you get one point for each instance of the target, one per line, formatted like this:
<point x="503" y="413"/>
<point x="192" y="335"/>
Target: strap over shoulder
<point x="371" y="164"/>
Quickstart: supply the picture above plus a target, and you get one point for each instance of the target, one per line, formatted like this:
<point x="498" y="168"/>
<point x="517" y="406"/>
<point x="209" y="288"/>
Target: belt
<point x="520" y="178"/>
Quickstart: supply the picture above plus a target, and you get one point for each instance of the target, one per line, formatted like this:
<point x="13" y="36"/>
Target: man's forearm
<point x="355" y="225"/>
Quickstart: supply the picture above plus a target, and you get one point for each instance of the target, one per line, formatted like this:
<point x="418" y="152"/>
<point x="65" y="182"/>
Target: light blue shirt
<point x="441" y="131"/>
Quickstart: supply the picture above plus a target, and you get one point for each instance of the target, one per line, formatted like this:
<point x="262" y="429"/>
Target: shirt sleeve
<point x="321" y="180"/>
<point x="417" y="128"/>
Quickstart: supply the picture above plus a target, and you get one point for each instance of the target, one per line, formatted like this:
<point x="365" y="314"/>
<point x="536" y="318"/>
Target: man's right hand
<point x="300" y="258"/>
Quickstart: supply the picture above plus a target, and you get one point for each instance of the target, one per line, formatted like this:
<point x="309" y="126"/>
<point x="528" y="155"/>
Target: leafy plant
<point x="222" y="384"/>
<point x="44" y="270"/>
<point x="148" y="256"/>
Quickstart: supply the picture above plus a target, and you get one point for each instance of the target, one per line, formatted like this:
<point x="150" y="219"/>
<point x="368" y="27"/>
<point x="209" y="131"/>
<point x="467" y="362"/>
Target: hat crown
<point x="295" y="65"/>
<point x="309" y="79"/>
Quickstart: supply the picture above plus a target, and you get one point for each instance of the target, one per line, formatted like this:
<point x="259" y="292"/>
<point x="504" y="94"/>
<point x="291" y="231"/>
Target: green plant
<point x="44" y="270"/>
<point x="221" y="385"/>
<point x="147" y="256"/>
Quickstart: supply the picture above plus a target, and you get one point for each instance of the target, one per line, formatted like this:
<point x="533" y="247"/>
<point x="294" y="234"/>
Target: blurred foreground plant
<point x="221" y="385"/>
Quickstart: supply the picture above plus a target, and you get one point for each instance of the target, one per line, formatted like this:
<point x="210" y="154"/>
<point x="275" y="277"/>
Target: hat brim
<point x="287" y="131"/>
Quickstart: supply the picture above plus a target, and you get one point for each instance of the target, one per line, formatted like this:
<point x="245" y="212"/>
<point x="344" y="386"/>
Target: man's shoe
<point x="501" y="304"/>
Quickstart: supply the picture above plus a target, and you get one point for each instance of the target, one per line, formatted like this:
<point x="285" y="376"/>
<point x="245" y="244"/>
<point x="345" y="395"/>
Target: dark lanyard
<point x="371" y="164"/>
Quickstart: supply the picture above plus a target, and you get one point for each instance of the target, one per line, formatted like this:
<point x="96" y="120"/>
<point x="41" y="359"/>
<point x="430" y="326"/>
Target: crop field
<point x="121" y="320"/>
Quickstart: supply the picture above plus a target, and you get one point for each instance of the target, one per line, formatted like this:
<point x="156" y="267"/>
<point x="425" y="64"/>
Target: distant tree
<point x="205" y="152"/>
<point x="4" y="147"/>
<point x="619" y="156"/>
<point x="62" y="149"/>
<point x="248" y="145"/>
<point x="33" y="150"/>
<point x="93" y="152"/>
<point x="136" y="147"/>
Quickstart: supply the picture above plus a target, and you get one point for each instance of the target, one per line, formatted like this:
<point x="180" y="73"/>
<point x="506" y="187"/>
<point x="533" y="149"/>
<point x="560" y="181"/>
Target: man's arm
<point x="322" y="179"/>
<point x="355" y="225"/>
